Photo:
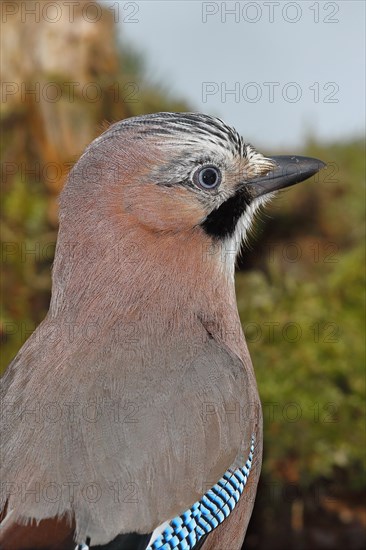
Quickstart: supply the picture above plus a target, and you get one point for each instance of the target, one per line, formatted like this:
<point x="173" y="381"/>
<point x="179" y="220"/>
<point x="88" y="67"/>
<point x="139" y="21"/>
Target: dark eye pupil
<point x="208" y="177"/>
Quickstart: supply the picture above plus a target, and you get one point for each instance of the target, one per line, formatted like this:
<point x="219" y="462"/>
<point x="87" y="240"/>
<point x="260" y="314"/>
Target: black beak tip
<point x="303" y="166"/>
<point x="288" y="171"/>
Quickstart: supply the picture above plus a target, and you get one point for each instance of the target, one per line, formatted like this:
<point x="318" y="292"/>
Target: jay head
<point x="143" y="326"/>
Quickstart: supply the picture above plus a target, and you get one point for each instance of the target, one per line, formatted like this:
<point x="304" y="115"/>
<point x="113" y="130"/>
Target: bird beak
<point x="288" y="170"/>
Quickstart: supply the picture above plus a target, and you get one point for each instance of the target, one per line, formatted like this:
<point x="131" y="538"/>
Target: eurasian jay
<point x="131" y="418"/>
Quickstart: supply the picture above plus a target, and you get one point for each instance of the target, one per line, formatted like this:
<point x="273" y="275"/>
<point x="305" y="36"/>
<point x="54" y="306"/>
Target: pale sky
<point x="293" y="68"/>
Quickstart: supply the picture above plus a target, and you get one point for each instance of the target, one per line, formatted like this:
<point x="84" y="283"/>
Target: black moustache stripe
<point x="221" y="223"/>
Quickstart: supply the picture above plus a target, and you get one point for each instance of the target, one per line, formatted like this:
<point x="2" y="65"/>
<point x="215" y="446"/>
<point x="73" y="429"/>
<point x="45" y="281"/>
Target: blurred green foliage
<point x="302" y="309"/>
<point x="28" y="244"/>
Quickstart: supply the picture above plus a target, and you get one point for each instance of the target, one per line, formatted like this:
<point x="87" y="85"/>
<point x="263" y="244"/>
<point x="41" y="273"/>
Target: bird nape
<point x="131" y="416"/>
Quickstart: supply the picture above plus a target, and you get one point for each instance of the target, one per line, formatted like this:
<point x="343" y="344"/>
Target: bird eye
<point x="207" y="177"/>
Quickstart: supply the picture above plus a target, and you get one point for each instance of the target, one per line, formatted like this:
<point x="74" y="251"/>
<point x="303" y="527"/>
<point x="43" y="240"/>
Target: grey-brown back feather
<point x="145" y="445"/>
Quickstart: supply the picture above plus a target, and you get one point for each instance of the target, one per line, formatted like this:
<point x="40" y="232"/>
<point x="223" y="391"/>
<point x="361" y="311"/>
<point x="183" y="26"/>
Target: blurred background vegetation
<point x="300" y="287"/>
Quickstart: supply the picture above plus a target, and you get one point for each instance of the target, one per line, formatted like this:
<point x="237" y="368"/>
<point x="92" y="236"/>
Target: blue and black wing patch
<point x="185" y="531"/>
